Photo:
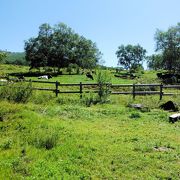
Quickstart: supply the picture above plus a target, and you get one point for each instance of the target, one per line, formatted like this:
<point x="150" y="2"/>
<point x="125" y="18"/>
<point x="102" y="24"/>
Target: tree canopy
<point x="60" y="46"/>
<point x="2" y="55"/>
<point x="130" y="56"/>
<point x="168" y="43"/>
<point x="155" y="61"/>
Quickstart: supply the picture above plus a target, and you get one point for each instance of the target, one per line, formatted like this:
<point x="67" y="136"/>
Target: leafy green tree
<point x="60" y="46"/>
<point x="86" y="53"/>
<point x="168" y="43"/>
<point x="2" y="56"/>
<point x="32" y="55"/>
<point x="130" y="56"/>
<point x="45" y="41"/>
<point x="37" y="50"/>
<point x="155" y="61"/>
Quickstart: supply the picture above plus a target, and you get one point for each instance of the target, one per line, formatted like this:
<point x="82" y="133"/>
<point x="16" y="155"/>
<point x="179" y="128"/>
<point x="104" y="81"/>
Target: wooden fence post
<point x="109" y="88"/>
<point x="80" y="85"/>
<point x="161" y="91"/>
<point x="134" y="91"/>
<point x="56" y="91"/>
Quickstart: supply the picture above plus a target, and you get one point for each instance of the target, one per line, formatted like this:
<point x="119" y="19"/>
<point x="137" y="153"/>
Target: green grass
<point x="62" y="138"/>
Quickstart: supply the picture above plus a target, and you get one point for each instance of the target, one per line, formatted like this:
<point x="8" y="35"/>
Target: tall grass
<point x="19" y="93"/>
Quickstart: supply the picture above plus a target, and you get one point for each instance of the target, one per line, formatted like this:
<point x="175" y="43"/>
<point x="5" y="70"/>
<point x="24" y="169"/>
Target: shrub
<point x="19" y="92"/>
<point x="103" y="78"/>
<point x="89" y="99"/>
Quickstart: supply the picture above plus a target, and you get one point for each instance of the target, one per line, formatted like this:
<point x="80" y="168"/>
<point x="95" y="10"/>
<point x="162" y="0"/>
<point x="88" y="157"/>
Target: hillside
<point x="61" y="137"/>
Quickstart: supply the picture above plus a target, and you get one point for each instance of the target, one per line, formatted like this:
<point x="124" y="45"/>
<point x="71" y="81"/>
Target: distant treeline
<point x="17" y="58"/>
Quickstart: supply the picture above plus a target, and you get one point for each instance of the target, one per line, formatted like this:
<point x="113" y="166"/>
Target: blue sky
<point x="109" y="23"/>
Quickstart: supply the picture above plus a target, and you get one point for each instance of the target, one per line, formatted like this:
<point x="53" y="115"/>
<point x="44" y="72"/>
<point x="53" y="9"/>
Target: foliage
<point x="72" y="67"/>
<point x="103" y="79"/>
<point x="155" y="61"/>
<point x="137" y="69"/>
<point x="60" y="46"/>
<point x="46" y="139"/>
<point x="19" y="93"/>
<point x="130" y="56"/>
<point x="168" y="43"/>
<point x="15" y="58"/>
<point x="2" y="56"/>
<point x="89" y="99"/>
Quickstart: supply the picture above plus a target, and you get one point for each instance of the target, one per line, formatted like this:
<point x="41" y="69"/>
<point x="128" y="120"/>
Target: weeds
<point x="103" y="79"/>
<point x="19" y="93"/>
<point x="46" y="139"/>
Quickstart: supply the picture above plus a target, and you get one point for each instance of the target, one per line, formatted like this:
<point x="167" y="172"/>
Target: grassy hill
<point x="52" y="137"/>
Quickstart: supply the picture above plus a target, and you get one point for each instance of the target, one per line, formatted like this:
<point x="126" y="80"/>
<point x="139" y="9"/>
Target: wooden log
<point x="174" y="117"/>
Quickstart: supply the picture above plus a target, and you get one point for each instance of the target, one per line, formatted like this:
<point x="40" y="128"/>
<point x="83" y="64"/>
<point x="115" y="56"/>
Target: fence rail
<point x="111" y="88"/>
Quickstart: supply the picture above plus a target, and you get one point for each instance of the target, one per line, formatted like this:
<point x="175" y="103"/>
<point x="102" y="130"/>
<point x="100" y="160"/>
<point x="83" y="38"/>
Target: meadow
<point x="50" y="137"/>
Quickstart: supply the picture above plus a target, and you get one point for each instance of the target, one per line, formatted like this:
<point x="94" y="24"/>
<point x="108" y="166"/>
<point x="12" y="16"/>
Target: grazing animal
<point x="159" y="75"/>
<point x="164" y="76"/>
<point x="169" y="106"/>
<point x="3" y="80"/>
<point x="115" y="75"/>
<point x="168" y="78"/>
<point x="45" y="77"/>
<point x="88" y="75"/>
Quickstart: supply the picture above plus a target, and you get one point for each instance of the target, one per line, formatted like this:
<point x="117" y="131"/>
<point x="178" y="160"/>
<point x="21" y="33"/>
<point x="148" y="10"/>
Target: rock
<point x="139" y="107"/>
<point x="162" y="149"/>
<point x="169" y="106"/>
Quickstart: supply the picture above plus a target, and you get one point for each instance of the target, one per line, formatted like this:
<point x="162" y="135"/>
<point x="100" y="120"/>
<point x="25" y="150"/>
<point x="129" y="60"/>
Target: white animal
<point x="45" y="77"/>
<point x="3" y="80"/>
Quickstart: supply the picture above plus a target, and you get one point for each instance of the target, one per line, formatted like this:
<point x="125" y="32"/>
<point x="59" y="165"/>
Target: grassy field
<point x="52" y="137"/>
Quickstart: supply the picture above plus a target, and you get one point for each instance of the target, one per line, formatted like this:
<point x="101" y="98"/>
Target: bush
<point x="19" y="92"/>
<point x="103" y="78"/>
<point x="89" y="99"/>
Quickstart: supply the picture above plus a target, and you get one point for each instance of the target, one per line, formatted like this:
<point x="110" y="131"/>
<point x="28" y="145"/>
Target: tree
<point x="37" y="50"/>
<point x="86" y="53"/>
<point x="130" y="56"/>
<point x="2" y="56"/>
<point x="168" y="43"/>
<point x="155" y="61"/>
<point x="60" y="46"/>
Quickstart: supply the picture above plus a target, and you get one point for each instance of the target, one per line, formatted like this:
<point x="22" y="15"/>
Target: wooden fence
<point x="135" y="89"/>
